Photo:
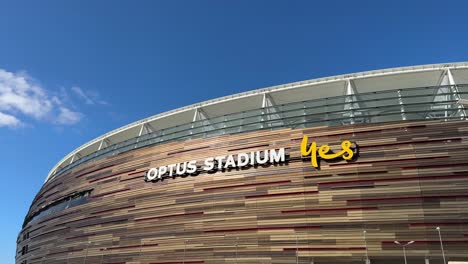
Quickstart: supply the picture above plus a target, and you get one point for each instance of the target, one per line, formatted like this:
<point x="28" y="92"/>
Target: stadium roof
<point x="362" y="82"/>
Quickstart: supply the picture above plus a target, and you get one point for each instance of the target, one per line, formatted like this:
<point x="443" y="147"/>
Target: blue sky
<point x="73" y="70"/>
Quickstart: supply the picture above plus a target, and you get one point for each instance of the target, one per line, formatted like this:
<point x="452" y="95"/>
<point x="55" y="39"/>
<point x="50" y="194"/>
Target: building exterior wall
<point x="409" y="178"/>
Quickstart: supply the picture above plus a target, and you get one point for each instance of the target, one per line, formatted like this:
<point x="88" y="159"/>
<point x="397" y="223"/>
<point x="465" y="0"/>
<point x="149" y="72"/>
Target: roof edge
<point x="293" y="85"/>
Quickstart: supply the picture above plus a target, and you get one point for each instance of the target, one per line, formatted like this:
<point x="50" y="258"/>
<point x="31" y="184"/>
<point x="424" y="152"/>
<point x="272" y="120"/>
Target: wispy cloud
<point x="22" y="97"/>
<point x="68" y="117"/>
<point x="88" y="97"/>
<point x="77" y="90"/>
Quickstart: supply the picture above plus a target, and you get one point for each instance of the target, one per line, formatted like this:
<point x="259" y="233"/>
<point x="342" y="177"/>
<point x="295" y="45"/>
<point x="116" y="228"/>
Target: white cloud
<point x="9" y="120"/>
<point x="68" y="117"/>
<point x="22" y="97"/>
<point x="19" y="93"/>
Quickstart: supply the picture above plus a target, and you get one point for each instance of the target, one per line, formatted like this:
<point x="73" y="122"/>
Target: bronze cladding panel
<point x="408" y="179"/>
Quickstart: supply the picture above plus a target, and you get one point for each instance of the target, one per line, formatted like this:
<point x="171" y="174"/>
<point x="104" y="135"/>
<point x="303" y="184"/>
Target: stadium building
<point x="355" y="168"/>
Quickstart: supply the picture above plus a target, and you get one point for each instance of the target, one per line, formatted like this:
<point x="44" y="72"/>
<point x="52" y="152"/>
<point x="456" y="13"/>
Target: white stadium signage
<point x="193" y="167"/>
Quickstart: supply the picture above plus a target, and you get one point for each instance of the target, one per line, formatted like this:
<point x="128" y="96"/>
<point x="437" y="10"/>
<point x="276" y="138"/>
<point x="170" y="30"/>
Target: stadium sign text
<point x="243" y="160"/>
<point x="212" y="164"/>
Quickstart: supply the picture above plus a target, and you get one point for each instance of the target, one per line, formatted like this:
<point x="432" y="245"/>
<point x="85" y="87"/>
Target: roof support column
<point x="264" y="111"/>
<point x="270" y="111"/>
<point x="456" y="93"/>
<point x="194" y="119"/>
<point x="141" y="130"/>
<point x="104" y="143"/>
<point x="445" y="95"/>
<point x="100" y="145"/>
<point x="350" y="101"/>
<point x="144" y="130"/>
<point x="199" y="115"/>
<point x="195" y="115"/>
<point x="402" y="106"/>
<point x="74" y="157"/>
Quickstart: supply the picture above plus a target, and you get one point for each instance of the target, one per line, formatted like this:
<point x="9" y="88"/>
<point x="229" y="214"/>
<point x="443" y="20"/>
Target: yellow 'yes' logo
<point x="347" y="152"/>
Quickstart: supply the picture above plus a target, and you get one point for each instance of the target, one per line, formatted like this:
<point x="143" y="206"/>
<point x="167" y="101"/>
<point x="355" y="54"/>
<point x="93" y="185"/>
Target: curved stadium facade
<point x="331" y="170"/>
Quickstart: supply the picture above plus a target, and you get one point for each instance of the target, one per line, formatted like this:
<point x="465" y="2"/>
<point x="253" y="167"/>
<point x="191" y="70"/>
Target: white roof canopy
<point x="363" y="82"/>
